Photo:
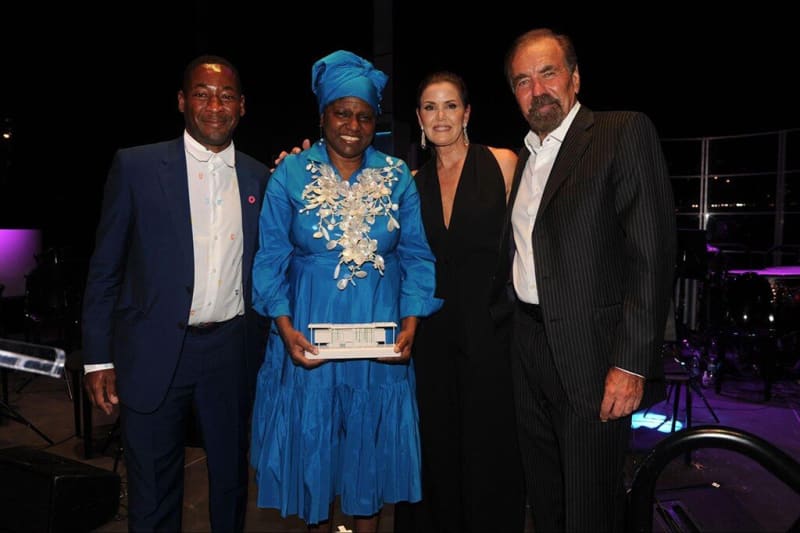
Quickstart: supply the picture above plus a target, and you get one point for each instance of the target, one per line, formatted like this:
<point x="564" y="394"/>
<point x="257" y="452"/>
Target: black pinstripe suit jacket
<point x="604" y="252"/>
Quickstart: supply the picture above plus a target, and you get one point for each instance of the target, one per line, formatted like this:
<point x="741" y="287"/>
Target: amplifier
<point x="43" y="492"/>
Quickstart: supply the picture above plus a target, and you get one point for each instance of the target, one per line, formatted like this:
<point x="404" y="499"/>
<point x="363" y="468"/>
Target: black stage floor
<point x="718" y="490"/>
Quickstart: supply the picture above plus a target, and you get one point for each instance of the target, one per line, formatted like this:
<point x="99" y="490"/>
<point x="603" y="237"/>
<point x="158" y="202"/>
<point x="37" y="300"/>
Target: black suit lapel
<point x="575" y="143"/>
<point x="501" y="288"/>
<point x="508" y="236"/>
<point x="522" y="160"/>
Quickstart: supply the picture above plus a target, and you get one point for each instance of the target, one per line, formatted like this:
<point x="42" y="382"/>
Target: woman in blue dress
<point x="342" y="242"/>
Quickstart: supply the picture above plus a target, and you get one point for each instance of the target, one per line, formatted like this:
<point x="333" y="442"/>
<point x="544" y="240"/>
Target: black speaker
<point x="43" y="492"/>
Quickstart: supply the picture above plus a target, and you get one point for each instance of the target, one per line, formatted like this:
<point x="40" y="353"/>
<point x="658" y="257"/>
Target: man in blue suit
<point x="167" y="320"/>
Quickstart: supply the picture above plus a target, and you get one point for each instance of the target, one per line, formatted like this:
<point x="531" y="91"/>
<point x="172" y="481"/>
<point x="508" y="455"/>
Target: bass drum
<point x="786" y="290"/>
<point x="749" y="302"/>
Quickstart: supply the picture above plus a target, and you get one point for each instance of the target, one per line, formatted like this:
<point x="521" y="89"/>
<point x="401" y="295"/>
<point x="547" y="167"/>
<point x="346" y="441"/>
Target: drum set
<point x="767" y="298"/>
<point x="52" y="303"/>
<point x="736" y="321"/>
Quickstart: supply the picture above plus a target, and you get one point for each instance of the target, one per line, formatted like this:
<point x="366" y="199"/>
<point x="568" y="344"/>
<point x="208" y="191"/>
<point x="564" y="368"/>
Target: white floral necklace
<point x="352" y="209"/>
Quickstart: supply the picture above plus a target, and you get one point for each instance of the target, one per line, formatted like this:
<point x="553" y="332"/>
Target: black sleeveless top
<point x="466" y="252"/>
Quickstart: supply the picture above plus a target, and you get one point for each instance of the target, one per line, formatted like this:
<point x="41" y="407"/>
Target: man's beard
<point x="543" y="123"/>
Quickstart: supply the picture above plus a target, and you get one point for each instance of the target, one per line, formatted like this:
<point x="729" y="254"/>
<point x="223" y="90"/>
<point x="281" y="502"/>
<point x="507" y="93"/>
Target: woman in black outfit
<point x="471" y="469"/>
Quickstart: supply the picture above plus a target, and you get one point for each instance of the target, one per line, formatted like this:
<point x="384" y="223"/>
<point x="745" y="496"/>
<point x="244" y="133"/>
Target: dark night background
<point x="78" y="83"/>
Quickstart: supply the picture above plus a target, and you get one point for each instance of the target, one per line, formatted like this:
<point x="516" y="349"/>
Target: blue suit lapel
<point x="248" y="193"/>
<point x="172" y="175"/>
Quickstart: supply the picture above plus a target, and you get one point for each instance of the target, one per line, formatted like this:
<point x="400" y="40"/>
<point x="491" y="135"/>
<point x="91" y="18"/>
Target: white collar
<point x="534" y="144"/>
<point x="203" y="154"/>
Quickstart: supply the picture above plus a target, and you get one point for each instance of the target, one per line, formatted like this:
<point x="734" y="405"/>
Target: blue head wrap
<point x="343" y="73"/>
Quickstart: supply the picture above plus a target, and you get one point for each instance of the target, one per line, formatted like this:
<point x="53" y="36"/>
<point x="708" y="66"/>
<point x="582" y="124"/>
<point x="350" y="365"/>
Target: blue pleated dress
<point x="347" y="428"/>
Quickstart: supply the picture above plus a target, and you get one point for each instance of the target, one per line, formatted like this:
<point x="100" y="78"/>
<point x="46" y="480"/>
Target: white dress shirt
<point x="529" y="196"/>
<point x="216" y="212"/>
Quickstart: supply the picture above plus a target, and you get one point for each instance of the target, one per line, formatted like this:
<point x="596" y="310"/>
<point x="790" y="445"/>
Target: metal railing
<point x="744" y="190"/>
<point x="641" y="496"/>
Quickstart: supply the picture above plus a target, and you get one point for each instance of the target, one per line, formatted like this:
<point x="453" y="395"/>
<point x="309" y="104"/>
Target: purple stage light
<point x="18" y="250"/>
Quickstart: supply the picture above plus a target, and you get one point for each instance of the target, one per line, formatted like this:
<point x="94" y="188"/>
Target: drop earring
<point x="466" y="137"/>
<point x="422" y="142"/>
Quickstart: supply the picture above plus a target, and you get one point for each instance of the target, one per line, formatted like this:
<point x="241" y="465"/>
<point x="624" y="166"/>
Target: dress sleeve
<point x="270" y="281"/>
<point x="417" y="262"/>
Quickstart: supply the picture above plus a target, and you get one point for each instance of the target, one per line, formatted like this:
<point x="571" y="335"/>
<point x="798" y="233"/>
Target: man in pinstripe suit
<point x="592" y="231"/>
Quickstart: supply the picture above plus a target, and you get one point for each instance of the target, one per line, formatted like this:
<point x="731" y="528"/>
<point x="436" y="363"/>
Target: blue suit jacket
<point x="141" y="275"/>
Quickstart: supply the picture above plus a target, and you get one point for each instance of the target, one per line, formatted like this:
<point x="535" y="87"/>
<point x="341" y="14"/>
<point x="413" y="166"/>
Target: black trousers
<point x="574" y="466"/>
<point x="471" y="467"/>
